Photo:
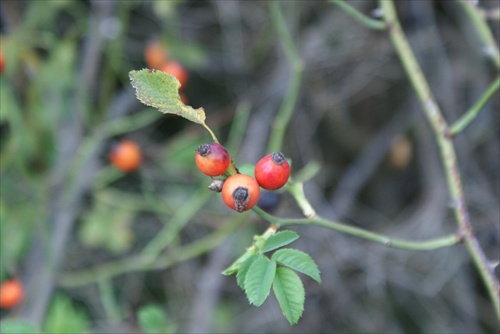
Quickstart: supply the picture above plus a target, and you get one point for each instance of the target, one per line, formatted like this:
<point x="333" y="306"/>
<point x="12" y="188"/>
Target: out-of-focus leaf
<point x="17" y="327"/>
<point x="63" y="317"/>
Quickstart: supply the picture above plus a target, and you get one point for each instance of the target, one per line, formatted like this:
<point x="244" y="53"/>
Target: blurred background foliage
<point x="81" y="235"/>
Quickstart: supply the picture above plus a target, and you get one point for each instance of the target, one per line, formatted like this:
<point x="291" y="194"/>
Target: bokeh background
<point x="73" y="228"/>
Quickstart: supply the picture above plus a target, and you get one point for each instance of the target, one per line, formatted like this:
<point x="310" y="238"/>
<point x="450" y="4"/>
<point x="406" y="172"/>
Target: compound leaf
<point x="161" y="90"/>
<point x="289" y="291"/>
<point x="242" y="272"/>
<point x="280" y="239"/>
<point x="299" y="261"/>
<point x="259" y="279"/>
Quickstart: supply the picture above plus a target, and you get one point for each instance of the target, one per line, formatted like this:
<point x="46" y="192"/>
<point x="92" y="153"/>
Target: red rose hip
<point x="212" y="159"/>
<point x="272" y="171"/>
<point x="240" y="192"/>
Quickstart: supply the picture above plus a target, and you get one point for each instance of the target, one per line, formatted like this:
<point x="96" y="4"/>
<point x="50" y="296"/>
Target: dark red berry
<point x="272" y="171"/>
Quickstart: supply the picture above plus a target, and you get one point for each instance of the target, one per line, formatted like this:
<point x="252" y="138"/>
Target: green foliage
<point x="290" y="293"/>
<point x="259" y="280"/>
<point x="160" y="90"/>
<point x="63" y="317"/>
<point x="299" y="261"/>
<point x="242" y="272"/>
<point x="17" y="327"/>
<point x="256" y="273"/>
<point x="152" y="319"/>
<point x="108" y="226"/>
<point x="280" y="239"/>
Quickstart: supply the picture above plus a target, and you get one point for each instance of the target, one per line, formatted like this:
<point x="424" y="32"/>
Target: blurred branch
<point x="358" y="16"/>
<point x="479" y="22"/>
<point x="448" y="154"/>
<point x="472" y="113"/>
<point x="285" y="112"/>
<point x="144" y="262"/>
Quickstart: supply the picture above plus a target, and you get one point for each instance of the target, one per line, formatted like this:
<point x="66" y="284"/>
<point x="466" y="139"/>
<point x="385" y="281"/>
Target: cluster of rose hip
<point x="241" y="192"/>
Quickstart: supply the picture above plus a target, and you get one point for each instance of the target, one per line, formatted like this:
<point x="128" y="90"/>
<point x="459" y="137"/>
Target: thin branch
<point x="285" y="112"/>
<point x="478" y="20"/>
<point x="421" y="245"/>
<point x="448" y="154"/>
<point x="472" y="113"/>
<point x="360" y="17"/>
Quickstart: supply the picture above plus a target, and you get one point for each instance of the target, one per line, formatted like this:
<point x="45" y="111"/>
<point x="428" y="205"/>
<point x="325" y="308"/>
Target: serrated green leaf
<point x="280" y="239"/>
<point x="242" y="272"/>
<point x="236" y="265"/>
<point x="161" y="90"/>
<point x="290" y="293"/>
<point x="299" y="261"/>
<point x="259" y="280"/>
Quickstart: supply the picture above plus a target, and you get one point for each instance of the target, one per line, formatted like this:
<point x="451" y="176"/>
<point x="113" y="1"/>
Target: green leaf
<point x="63" y="317"/>
<point x="161" y="90"/>
<point x="259" y="280"/>
<point x="299" y="261"/>
<point x="289" y="291"/>
<point x="280" y="239"/>
<point x="242" y="272"/>
<point x="17" y="327"/>
<point x="152" y="319"/>
<point x="236" y="265"/>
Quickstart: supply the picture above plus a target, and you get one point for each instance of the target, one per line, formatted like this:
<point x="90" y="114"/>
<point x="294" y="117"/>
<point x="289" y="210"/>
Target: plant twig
<point x="316" y="220"/>
<point x="471" y="114"/>
<point x="285" y="112"/>
<point x="479" y="22"/>
<point x="358" y="16"/>
<point x="448" y="155"/>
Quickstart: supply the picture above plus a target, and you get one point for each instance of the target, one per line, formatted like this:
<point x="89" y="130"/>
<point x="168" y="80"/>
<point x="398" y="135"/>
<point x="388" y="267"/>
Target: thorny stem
<point x="471" y="114"/>
<point x="448" y="155"/>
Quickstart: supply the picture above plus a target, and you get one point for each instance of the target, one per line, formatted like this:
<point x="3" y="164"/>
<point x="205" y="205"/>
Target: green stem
<point x="481" y="25"/>
<point x="214" y="137"/>
<point x="285" y="112"/>
<point x="471" y="114"/>
<point x="422" y="245"/>
<point x="448" y="155"/>
<point x="358" y="16"/>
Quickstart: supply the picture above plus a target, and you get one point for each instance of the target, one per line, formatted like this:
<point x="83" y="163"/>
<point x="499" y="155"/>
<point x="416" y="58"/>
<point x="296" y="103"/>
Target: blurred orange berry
<point x="11" y="293"/>
<point x="177" y="70"/>
<point x="155" y="55"/>
<point x="126" y="156"/>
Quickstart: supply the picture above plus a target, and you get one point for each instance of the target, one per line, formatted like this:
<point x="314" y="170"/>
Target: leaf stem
<point x="471" y="114"/>
<point x="358" y="16"/>
<point x="285" y="112"/>
<point x="448" y="155"/>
